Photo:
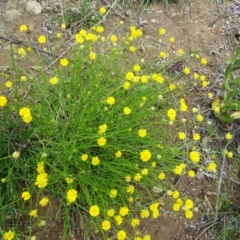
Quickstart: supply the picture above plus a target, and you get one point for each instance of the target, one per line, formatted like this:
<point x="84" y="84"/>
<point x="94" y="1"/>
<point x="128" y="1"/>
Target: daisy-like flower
<point x="41" y="180"/>
<point x="181" y="135"/>
<point x="113" y="38"/>
<point x="101" y="141"/>
<point x="228" y="136"/>
<point x="102" y="10"/>
<point x="142" y="133"/>
<point x="121" y="235"/>
<point x="33" y="213"/>
<point x="21" y="51"/>
<point x="63" y="26"/>
<point x="71" y="195"/>
<point x="145" y="155"/>
<point x="64" y="62"/>
<point x="186" y="70"/>
<point x="194" y="156"/>
<point x="102" y="128"/>
<point x="162" y="31"/>
<point x="94" y="211"/>
<point x="95" y="161"/>
<point x="188" y="214"/>
<point x="144" y="213"/>
<point x="106" y="225"/>
<point x="53" y="80"/>
<point x="204" y="61"/>
<point x="23" y="78"/>
<point x="3" y="101"/>
<point x="44" y="201"/>
<point x="113" y="193"/>
<point x="212" y="167"/>
<point x="23" y="28"/>
<point x="161" y="176"/>
<point x="118" y="154"/>
<point x="171" y="39"/>
<point x="199" y="118"/>
<point x="92" y="55"/>
<point x="8" y="235"/>
<point x="135" y="222"/>
<point x="16" y="155"/>
<point x="163" y="54"/>
<point x="111" y="100"/>
<point x="123" y="211"/>
<point x="196" y="136"/>
<point x="42" y="39"/>
<point x="84" y="157"/>
<point x="172" y="114"/>
<point x="191" y="174"/>
<point x="127" y="110"/>
<point x="110" y="212"/>
<point x="8" y="84"/>
<point x="132" y="49"/>
<point x="26" y="195"/>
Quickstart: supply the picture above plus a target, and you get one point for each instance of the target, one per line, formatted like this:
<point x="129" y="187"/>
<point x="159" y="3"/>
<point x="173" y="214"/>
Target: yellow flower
<point x="154" y="206"/>
<point x="84" y="157"/>
<point x="101" y="141"/>
<point x="16" y="155"/>
<point x="172" y="39"/>
<point x="145" y="155"/>
<point x="194" y="156"/>
<point x="135" y="222"/>
<point x="128" y="178"/>
<point x="136" y="68"/>
<point x="202" y="77"/>
<point x="94" y="211"/>
<point x="175" y="194"/>
<point x="137" y="177"/>
<point x="95" y="161"/>
<point x="144" y="172"/>
<point x="161" y="176"/>
<point x="123" y="211"/>
<point x="110" y="212"/>
<point x="102" y="128"/>
<point x="163" y="54"/>
<point x="113" y="38"/>
<point x="212" y="167"/>
<point x="26" y="195"/>
<point x="53" y="80"/>
<point x="8" y="235"/>
<point x="126" y="85"/>
<point x="102" y="10"/>
<point x="204" y="61"/>
<point x="210" y="95"/>
<point x="130" y="189"/>
<point x="188" y="204"/>
<point x="186" y="70"/>
<point x="230" y="154"/>
<point x="59" y="35"/>
<point x="41" y="180"/>
<point x="132" y="49"/>
<point x="33" y="213"/>
<point x="113" y="193"/>
<point x="121" y="235"/>
<point x="118" y="154"/>
<point x="79" y="38"/>
<point x="196" y="136"/>
<point x="180" y="52"/>
<point x="129" y="76"/>
<point x="69" y="179"/>
<point x="144" y="213"/>
<point x="63" y="26"/>
<point x="21" y="51"/>
<point x="99" y="29"/>
<point x="42" y="39"/>
<point x="178" y="170"/>
<point x="27" y="118"/>
<point x="3" y="101"/>
<point x="195" y="76"/>
<point x="24" y="111"/>
<point x="44" y="201"/>
<point x="106" y="225"/>
<point x="191" y="174"/>
<point x="146" y="237"/>
<point x="200" y="118"/>
<point x="228" y="136"/>
<point x="23" y="78"/>
<point x="162" y="31"/>
<point x="176" y="207"/>
<point x="64" y="62"/>
<point x="40" y="167"/>
<point x="188" y="214"/>
<point x="172" y="114"/>
<point x="127" y="110"/>
<point x="181" y="135"/>
<point x="92" y="55"/>
<point x="23" y="28"/>
<point x="8" y="84"/>
<point x="111" y="100"/>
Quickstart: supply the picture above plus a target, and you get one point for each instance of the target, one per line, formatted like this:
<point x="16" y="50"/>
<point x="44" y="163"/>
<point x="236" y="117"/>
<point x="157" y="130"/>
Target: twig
<point x="205" y="229"/>
<point x="20" y="42"/>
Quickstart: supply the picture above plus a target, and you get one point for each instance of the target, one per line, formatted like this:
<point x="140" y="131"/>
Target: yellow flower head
<point x="84" y="157"/>
<point x="3" y="101"/>
<point x="102" y="10"/>
<point x="121" y="235"/>
<point x="110" y="212"/>
<point x="41" y="180"/>
<point x="106" y="225"/>
<point x="163" y="54"/>
<point x="64" y="62"/>
<point x="113" y="193"/>
<point x="94" y="211"/>
<point x="118" y="154"/>
<point x="42" y="39"/>
<point x="172" y="114"/>
<point x="95" y="161"/>
<point x="194" y="156"/>
<point x="144" y="213"/>
<point x="228" y="136"/>
<point x="127" y="110"/>
<point x="26" y="195"/>
<point x="145" y="155"/>
<point x="44" y="201"/>
<point x="71" y="195"/>
<point x="162" y="31"/>
<point x="23" y="28"/>
<point x="53" y="80"/>
<point x="33" y="213"/>
<point x="204" y="61"/>
<point x="123" y="211"/>
<point x="212" y="167"/>
<point x="21" y="51"/>
<point x="101" y="141"/>
<point x="8" y="235"/>
<point x="111" y="100"/>
<point x="161" y="176"/>
<point x="191" y="174"/>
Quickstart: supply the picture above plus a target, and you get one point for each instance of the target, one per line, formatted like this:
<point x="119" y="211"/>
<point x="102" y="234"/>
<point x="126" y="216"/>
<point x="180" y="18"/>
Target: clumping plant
<point x="93" y="132"/>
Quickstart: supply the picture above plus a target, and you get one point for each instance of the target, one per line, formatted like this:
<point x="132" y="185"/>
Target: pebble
<point x="34" y="7"/>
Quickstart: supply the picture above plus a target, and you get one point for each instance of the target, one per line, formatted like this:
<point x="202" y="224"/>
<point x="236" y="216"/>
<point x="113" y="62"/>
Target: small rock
<point x="34" y="7"/>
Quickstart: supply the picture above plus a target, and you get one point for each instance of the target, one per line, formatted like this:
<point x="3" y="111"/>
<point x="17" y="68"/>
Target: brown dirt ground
<point x="196" y="25"/>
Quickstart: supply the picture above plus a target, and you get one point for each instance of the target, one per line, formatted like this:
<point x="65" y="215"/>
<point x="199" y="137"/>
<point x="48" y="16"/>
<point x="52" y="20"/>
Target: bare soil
<point x="196" y="25"/>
